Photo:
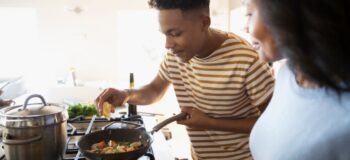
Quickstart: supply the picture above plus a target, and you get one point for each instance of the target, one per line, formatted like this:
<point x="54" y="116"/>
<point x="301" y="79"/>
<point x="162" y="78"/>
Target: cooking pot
<point x="122" y="135"/>
<point x="36" y="131"/>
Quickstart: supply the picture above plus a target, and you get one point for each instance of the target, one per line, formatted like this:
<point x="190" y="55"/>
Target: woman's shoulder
<point x="281" y="69"/>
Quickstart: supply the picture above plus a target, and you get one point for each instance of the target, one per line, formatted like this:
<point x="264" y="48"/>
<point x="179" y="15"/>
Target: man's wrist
<point x="128" y="93"/>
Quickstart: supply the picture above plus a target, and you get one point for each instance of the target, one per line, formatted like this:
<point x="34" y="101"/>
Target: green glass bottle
<point x="132" y="108"/>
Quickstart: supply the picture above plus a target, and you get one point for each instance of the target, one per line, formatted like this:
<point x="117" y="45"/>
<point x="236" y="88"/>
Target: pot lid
<point x="33" y="115"/>
<point x="38" y="109"/>
<point x="35" y="110"/>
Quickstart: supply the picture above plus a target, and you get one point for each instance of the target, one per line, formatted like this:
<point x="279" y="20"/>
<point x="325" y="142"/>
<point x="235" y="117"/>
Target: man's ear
<point x="205" y="20"/>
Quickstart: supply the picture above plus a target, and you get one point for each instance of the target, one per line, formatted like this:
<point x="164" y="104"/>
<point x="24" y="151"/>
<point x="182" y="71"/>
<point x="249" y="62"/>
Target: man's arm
<point x="150" y="93"/>
<point x="198" y="119"/>
<point x="145" y="95"/>
<point x="239" y="125"/>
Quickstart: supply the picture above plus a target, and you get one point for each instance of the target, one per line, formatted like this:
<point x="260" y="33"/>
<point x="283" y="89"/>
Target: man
<point x="218" y="80"/>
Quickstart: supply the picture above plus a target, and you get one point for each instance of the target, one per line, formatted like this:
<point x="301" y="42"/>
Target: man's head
<point x="185" y="24"/>
<point x="312" y="35"/>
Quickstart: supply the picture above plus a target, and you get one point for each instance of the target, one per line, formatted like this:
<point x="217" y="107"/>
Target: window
<point x="140" y="45"/>
<point x="19" y="42"/>
<point x="18" y="38"/>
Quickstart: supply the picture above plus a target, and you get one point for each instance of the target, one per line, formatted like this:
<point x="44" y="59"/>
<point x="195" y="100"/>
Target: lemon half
<point x="106" y="111"/>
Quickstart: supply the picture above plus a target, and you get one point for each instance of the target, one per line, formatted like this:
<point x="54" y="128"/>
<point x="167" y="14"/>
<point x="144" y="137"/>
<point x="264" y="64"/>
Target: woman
<point x="309" y="114"/>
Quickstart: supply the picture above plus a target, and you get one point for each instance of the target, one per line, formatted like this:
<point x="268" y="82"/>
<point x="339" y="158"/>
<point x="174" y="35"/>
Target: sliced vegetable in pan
<point x="114" y="147"/>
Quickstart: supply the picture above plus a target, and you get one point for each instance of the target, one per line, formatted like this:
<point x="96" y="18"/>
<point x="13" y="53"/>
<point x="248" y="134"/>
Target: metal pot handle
<point x="8" y="141"/>
<point x="33" y="96"/>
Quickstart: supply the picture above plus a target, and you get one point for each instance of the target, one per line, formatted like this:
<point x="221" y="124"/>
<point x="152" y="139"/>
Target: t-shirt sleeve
<point x="164" y="69"/>
<point x="259" y="82"/>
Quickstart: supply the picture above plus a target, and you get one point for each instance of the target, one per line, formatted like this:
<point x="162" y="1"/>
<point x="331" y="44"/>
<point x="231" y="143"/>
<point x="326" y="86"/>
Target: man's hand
<point x="113" y="96"/>
<point x="195" y="118"/>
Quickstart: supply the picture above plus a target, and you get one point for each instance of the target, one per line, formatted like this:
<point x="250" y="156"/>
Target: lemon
<point x="106" y="111"/>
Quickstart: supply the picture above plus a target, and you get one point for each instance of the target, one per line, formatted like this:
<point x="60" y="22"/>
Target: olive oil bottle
<point x="132" y="108"/>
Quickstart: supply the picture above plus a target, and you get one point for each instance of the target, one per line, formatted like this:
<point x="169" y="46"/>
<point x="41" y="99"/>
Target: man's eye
<point x="249" y="14"/>
<point x="176" y="34"/>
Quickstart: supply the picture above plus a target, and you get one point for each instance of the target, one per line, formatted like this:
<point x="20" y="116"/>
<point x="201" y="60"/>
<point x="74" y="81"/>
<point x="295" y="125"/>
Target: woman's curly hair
<point x="183" y="5"/>
<point x="314" y="36"/>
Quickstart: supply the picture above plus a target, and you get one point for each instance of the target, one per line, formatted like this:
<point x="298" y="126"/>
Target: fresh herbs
<point x="82" y="109"/>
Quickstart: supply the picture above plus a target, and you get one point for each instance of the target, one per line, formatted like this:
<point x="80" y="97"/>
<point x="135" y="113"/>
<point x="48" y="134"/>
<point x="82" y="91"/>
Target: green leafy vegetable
<point x="82" y="109"/>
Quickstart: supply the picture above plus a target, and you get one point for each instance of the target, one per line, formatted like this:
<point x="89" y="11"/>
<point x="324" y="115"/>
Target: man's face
<point x="184" y="32"/>
<point x="263" y="39"/>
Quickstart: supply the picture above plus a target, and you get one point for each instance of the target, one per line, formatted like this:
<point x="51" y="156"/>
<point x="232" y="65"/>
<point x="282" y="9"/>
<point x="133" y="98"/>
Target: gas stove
<point x="79" y="126"/>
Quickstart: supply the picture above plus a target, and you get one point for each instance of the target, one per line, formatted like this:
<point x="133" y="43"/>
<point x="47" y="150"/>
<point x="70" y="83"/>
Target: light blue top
<point x="302" y="124"/>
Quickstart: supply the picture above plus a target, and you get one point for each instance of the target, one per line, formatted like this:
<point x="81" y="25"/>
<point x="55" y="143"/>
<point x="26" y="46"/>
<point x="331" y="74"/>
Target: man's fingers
<point x="98" y="97"/>
<point x="187" y="110"/>
<point x="97" y="100"/>
<point x="188" y="116"/>
<point x="102" y="98"/>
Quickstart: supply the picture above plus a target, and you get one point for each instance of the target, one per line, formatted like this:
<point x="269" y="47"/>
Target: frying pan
<point x="122" y="135"/>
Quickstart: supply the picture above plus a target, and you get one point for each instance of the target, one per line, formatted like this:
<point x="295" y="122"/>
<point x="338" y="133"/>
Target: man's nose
<point x="169" y="43"/>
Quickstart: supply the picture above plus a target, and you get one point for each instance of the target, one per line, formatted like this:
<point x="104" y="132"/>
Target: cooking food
<point x="115" y="147"/>
<point x="82" y="109"/>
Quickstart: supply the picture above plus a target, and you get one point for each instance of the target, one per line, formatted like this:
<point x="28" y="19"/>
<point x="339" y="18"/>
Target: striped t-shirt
<point x="229" y="83"/>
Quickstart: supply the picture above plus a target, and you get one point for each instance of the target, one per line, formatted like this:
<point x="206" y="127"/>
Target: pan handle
<point x="156" y="128"/>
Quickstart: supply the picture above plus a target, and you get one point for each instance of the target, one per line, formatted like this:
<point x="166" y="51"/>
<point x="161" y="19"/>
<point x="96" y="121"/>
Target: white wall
<point x="87" y="40"/>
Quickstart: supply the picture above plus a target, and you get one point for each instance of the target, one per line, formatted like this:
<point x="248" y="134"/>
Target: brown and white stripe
<point x="227" y="84"/>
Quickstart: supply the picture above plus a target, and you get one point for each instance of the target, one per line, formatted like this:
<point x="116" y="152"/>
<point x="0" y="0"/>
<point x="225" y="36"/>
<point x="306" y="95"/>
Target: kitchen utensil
<point x="122" y="135"/>
<point x="34" y="131"/>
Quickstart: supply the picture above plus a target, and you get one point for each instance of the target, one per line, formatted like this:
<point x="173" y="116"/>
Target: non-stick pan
<point x="122" y="135"/>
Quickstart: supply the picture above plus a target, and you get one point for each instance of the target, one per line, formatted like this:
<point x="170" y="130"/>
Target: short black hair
<point x="314" y="36"/>
<point x="183" y="5"/>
